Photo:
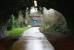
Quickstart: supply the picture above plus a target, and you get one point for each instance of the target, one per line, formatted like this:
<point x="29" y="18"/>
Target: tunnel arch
<point x="65" y="7"/>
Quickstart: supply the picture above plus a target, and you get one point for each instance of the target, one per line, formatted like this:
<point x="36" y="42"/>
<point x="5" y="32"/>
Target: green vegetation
<point x="16" y="26"/>
<point x="16" y="31"/>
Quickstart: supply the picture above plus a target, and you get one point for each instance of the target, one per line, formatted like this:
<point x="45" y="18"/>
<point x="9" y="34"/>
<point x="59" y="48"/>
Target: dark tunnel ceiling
<point x="11" y="6"/>
<point x="7" y="7"/>
<point x="15" y="5"/>
<point x="22" y="4"/>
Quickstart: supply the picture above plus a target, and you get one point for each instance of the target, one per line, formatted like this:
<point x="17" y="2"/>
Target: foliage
<point x="54" y="22"/>
<point x="16" y="31"/>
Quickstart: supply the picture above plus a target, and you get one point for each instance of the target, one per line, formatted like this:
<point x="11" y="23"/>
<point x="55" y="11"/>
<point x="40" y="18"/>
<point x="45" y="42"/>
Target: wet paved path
<point x="33" y="39"/>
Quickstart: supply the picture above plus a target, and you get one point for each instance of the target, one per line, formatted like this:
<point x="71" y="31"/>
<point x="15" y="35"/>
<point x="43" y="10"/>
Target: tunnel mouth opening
<point x="49" y="18"/>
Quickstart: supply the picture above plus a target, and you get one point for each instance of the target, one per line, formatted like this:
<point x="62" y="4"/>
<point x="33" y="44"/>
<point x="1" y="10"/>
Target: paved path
<point x="33" y="39"/>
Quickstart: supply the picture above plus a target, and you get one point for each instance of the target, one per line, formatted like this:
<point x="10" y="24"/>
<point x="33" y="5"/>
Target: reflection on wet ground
<point x="33" y="39"/>
<point x="66" y="43"/>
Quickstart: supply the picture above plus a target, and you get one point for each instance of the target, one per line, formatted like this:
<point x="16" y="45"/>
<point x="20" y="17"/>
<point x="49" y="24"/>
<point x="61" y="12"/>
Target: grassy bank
<point x="16" y="31"/>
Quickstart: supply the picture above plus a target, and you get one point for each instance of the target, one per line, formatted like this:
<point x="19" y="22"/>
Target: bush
<point x="16" y="31"/>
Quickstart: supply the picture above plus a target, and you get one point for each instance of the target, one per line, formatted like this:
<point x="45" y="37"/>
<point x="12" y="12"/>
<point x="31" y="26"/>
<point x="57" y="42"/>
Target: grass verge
<point x="16" y="31"/>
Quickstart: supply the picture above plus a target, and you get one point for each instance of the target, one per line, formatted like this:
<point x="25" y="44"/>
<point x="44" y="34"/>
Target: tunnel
<point x="9" y="7"/>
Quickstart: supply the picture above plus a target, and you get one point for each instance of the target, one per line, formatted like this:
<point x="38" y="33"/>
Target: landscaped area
<point x="16" y="31"/>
